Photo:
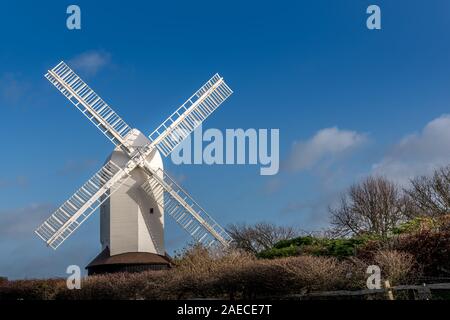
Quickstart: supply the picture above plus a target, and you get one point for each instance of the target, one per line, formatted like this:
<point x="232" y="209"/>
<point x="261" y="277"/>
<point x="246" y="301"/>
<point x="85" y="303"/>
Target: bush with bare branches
<point x="200" y="273"/>
<point x="259" y="237"/>
<point x="430" y="195"/>
<point x="398" y="267"/>
<point x="373" y="206"/>
<point x="31" y="289"/>
<point x="310" y="273"/>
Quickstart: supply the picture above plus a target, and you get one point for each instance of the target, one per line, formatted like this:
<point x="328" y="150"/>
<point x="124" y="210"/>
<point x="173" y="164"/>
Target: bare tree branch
<point x="430" y="196"/>
<point x="373" y="206"/>
<point x="261" y="236"/>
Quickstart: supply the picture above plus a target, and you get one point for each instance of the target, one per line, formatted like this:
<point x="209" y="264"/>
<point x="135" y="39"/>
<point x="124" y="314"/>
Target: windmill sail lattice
<point x="186" y="212"/>
<point x="89" y="103"/>
<point x="190" y="115"/>
<point x="64" y="221"/>
<point x="167" y="194"/>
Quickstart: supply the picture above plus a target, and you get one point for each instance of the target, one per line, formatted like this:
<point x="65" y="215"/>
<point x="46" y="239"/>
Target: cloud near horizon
<point x="417" y="154"/>
<point x="32" y="259"/>
<point x="18" y="222"/>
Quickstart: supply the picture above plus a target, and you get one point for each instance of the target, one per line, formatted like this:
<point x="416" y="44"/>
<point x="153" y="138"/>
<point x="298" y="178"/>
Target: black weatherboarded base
<point x="127" y="262"/>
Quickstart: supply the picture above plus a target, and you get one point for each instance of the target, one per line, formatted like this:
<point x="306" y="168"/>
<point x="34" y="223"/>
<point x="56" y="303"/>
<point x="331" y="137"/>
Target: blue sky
<point x="349" y="102"/>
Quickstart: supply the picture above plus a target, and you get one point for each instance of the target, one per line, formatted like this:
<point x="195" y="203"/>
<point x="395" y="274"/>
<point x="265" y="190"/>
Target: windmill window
<point x="151" y="210"/>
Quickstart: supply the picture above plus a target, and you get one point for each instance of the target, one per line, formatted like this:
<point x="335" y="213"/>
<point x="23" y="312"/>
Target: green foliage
<point x="415" y="225"/>
<point x="338" y="248"/>
<point x="342" y="247"/>
<point x="289" y="251"/>
<point x="298" y="242"/>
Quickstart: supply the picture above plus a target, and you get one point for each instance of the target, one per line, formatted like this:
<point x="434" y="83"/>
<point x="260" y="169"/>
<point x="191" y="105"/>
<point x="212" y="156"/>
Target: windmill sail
<point x="190" y="115"/>
<point x="186" y="212"/>
<point x="89" y="103"/>
<point x="64" y="221"/>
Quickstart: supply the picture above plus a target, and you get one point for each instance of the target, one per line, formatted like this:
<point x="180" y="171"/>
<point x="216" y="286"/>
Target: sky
<point x="348" y="101"/>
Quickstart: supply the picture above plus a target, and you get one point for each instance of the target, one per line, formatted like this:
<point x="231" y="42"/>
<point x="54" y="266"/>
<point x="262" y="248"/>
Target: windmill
<point x="132" y="190"/>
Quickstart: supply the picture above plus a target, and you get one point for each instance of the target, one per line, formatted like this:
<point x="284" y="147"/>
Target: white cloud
<point x="327" y="143"/>
<point x="418" y="153"/>
<point x="90" y="62"/>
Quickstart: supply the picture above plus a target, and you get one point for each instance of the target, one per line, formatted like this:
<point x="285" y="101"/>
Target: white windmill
<point x="132" y="189"/>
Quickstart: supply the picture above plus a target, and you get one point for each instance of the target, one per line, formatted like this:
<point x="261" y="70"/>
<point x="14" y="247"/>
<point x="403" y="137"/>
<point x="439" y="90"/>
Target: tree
<point x="430" y="196"/>
<point x="261" y="236"/>
<point x="374" y="206"/>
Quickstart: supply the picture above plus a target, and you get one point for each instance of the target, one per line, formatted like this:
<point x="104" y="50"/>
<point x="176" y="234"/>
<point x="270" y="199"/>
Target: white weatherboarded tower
<point x="132" y="189"/>
<point x="130" y="220"/>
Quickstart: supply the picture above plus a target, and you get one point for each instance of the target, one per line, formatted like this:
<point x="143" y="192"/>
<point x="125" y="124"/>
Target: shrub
<point x="417" y="224"/>
<point x="431" y="251"/>
<point x="298" y="242"/>
<point x="257" y="279"/>
<point x="339" y="248"/>
<point x="117" y="286"/>
<point x="309" y="273"/>
<point x="279" y="252"/>
<point x="30" y="289"/>
<point x="397" y="266"/>
<point x="202" y="273"/>
<point x="263" y="278"/>
<point x="198" y="272"/>
<point x="342" y="247"/>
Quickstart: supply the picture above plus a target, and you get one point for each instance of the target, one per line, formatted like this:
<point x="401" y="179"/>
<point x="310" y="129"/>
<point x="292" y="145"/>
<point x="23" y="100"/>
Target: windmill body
<point x="131" y="220"/>
<point x="132" y="189"/>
